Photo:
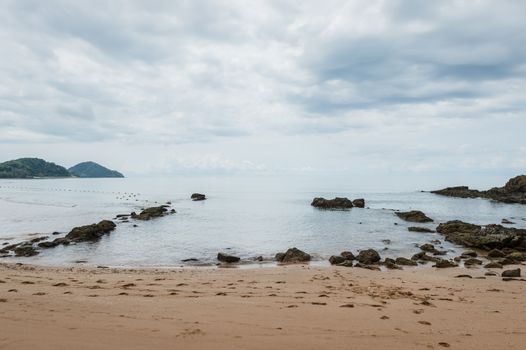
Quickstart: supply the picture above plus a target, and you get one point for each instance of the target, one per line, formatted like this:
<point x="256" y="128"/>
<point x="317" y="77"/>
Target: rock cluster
<point x="337" y="203"/>
<point x="150" y="213"/>
<point x="292" y="255"/>
<point x="90" y="233"/>
<point x="513" y="192"/>
<point x="413" y="216"/>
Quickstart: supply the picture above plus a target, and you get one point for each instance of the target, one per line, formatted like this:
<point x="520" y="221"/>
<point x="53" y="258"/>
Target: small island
<point x="35" y="168"/>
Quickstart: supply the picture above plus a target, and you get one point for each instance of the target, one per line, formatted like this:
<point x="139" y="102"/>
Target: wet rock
<point x="359" y="203"/>
<point x="90" y="233"/>
<point x="336" y="259"/>
<point x="366" y="266"/>
<point x="348" y="255"/>
<point x="493" y="265"/>
<point x="198" y="197"/>
<point x="443" y="263"/>
<point x="25" y="251"/>
<point x="368" y="256"/>
<point x="413" y="216"/>
<point x="190" y="260"/>
<point x="336" y="203"/>
<point x="511" y="273"/>
<point x="422" y="256"/>
<point x="507" y="222"/>
<point x="391" y="264"/>
<point x="346" y="263"/>
<point x="150" y="213"/>
<point x="405" y="261"/>
<point x="495" y="253"/>
<point x="472" y="262"/>
<point x="507" y="261"/>
<point x="293" y="255"/>
<point x="486" y="238"/>
<point x="431" y="249"/>
<point x="517" y="256"/>
<point x="513" y="192"/>
<point x="419" y="229"/>
<point x="39" y="239"/>
<point x="227" y="258"/>
<point x="470" y="253"/>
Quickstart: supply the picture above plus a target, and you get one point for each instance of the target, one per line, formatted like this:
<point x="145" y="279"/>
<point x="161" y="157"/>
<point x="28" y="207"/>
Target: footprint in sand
<point x="425" y="323"/>
<point x="39" y="293"/>
<point x="444" y="344"/>
<point x="347" y="305"/>
<point x="60" y="285"/>
<point x="3" y="300"/>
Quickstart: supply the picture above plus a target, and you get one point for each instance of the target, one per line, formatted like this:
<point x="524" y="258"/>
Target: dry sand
<point x="262" y="308"/>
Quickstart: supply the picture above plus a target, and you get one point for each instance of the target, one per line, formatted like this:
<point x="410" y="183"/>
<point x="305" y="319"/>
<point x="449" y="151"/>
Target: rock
<point x="336" y="203"/>
<point x="513" y="192"/>
<point x="511" y="273"/>
<point x="293" y="255"/>
<point x="507" y="222"/>
<point x="366" y="266"/>
<point x="336" y="259"/>
<point x="472" y="262"/>
<point x="391" y="264"/>
<point x="198" y="197"/>
<point x="422" y="256"/>
<point x="359" y="203"/>
<point x="419" y="229"/>
<point x="493" y="265"/>
<point x="346" y="263"/>
<point x="39" y="239"/>
<point x="25" y="251"/>
<point x="348" y="255"/>
<point x="413" y="216"/>
<point x="507" y="261"/>
<point x="90" y="233"/>
<point x="443" y="263"/>
<point x="495" y="253"/>
<point x="150" y="213"/>
<point x="487" y="237"/>
<point x="470" y="253"/>
<point x="227" y="258"/>
<point x="428" y="248"/>
<point x="405" y="261"/>
<point x="368" y="256"/>
<point x="517" y="256"/>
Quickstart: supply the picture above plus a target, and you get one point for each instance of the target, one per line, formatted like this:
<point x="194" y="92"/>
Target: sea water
<point x="244" y="216"/>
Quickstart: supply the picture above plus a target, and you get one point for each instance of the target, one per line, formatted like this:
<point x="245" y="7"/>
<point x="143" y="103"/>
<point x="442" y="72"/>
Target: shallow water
<point x="248" y="217"/>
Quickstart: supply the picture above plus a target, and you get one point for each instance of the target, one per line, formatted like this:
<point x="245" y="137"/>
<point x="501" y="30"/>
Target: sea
<point x="248" y="217"/>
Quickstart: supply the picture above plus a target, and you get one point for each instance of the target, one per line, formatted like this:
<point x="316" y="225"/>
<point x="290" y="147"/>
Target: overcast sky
<point x="427" y="93"/>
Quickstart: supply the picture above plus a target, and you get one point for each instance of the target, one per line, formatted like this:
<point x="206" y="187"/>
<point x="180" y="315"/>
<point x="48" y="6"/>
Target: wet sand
<point x="263" y="308"/>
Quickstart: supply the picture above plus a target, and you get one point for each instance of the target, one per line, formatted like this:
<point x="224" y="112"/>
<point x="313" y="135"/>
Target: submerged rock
<point x="336" y="203"/>
<point x="90" y="233"/>
<point x="419" y="229"/>
<point x="293" y="255"/>
<point x="198" y="197"/>
<point x="368" y="256"/>
<point x="488" y="237"/>
<point x="150" y="213"/>
<point x="227" y="258"/>
<point x="413" y="216"/>
<point x="507" y="222"/>
<point x="513" y="192"/>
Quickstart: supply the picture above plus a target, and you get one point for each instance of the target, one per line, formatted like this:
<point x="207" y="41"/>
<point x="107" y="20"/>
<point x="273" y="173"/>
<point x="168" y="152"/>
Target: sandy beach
<point x="296" y="306"/>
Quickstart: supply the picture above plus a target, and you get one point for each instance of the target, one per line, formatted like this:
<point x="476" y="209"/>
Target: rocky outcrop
<point x="368" y="256"/>
<point x="513" y="192"/>
<point x="150" y="213"/>
<point x="293" y="255"/>
<point x="359" y="203"/>
<point x="25" y="250"/>
<point x="336" y="203"/>
<point x="413" y="216"/>
<point x="483" y="237"/>
<point x="90" y="233"/>
<point x="198" y="197"/>
<point x="227" y="258"/>
<point x="405" y="261"/>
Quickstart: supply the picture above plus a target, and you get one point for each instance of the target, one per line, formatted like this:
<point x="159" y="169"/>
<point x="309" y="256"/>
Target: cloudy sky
<point x="404" y="92"/>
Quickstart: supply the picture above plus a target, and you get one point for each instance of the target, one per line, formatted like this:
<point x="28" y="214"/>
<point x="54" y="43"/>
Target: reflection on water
<point x="243" y="216"/>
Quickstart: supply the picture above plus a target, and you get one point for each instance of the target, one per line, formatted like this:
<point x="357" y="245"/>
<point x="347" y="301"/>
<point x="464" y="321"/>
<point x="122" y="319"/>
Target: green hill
<point x="92" y="169"/>
<point x="26" y="168"/>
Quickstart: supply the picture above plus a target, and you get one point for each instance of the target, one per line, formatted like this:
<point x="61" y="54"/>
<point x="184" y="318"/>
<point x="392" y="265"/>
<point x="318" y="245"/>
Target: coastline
<point x="297" y="306"/>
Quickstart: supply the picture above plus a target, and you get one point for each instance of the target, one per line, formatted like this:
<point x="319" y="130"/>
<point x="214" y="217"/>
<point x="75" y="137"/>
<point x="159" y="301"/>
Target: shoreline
<point x="297" y="306"/>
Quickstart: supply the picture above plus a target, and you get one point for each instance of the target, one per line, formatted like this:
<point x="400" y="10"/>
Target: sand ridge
<point x="297" y="306"/>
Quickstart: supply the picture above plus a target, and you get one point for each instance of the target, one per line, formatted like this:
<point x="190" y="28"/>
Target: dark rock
<point x="346" y="263"/>
<point x="198" y="197"/>
<point x="517" y="256"/>
<point x="368" y="256"/>
<point x="359" y="203"/>
<point x="419" y="229"/>
<point x="443" y="263"/>
<point x="336" y="203"/>
<point x="507" y="222"/>
<point x="336" y="259"/>
<point x="150" y="213"/>
<point x="90" y="233"/>
<point x="391" y="264"/>
<point x="227" y="258"/>
<point x="472" y="262"/>
<point x="293" y="255"/>
<point x="507" y="261"/>
<point x="348" y="255"/>
<point x="366" y="266"/>
<point x="487" y="237"/>
<point x="513" y="192"/>
<point x="190" y="260"/>
<point x="25" y="251"/>
<point x="413" y="216"/>
<point x="39" y="239"/>
<point x="428" y="248"/>
<point x="55" y="233"/>
<point x="493" y="265"/>
<point x="511" y="273"/>
<point x="405" y="261"/>
<point x="422" y="256"/>
<point x="470" y="253"/>
<point x="495" y="253"/>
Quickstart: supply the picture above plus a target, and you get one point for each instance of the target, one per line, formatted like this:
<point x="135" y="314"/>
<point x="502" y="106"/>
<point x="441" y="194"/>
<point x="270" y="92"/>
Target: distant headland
<point x="31" y="168"/>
